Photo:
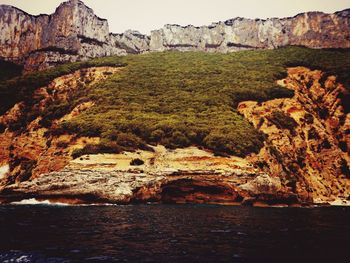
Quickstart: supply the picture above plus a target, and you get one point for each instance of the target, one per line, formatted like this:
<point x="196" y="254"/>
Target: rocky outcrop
<point x="132" y="41"/>
<point x="36" y="148"/>
<point x="181" y="176"/>
<point x="41" y="60"/>
<point x="75" y="33"/>
<point x="73" y="27"/>
<point x="72" y="33"/>
<point x="313" y="29"/>
<point x="308" y="139"/>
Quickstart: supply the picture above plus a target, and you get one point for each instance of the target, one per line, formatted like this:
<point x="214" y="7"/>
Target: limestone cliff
<point x="313" y="29"/>
<point x="72" y="33"/>
<point x="75" y="33"/>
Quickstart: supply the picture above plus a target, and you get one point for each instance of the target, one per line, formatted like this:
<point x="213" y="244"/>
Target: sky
<point x="147" y="15"/>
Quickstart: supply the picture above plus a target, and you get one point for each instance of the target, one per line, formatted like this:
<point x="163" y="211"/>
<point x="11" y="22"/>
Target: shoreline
<point x="75" y="203"/>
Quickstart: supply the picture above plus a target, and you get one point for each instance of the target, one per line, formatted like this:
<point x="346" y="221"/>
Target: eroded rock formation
<point x="170" y="176"/>
<point x="308" y="136"/>
<point x="72" y="33"/>
<point x="312" y="29"/>
<point x="33" y="150"/>
<point x="75" y="33"/>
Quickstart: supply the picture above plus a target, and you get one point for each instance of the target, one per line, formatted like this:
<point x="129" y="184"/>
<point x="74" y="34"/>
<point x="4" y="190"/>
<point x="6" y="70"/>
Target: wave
<point x="48" y="202"/>
<point x="33" y="201"/>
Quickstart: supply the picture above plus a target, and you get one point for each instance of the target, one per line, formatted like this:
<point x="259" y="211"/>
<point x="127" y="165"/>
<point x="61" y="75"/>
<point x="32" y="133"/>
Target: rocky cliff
<point x="75" y="33"/>
<point x="313" y="29"/>
<point x="308" y="138"/>
<point x="33" y="151"/>
<point x="305" y="158"/>
<point x="72" y="33"/>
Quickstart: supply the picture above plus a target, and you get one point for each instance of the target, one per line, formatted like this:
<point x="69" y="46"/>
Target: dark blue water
<point x="160" y="233"/>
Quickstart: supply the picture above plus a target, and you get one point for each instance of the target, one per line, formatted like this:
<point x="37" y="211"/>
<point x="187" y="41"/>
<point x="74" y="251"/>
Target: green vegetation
<point x="56" y="49"/>
<point x="345" y="169"/>
<point x="9" y="70"/>
<point x="283" y="121"/>
<point x="21" y="88"/>
<point x="26" y="168"/>
<point x="124" y="142"/>
<point x="180" y="99"/>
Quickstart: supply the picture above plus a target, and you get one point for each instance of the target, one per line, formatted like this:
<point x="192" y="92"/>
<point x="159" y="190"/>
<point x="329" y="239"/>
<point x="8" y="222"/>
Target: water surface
<point x="161" y="233"/>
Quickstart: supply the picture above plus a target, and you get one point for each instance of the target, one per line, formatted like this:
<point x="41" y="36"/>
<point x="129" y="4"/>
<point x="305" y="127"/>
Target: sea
<point x="173" y="233"/>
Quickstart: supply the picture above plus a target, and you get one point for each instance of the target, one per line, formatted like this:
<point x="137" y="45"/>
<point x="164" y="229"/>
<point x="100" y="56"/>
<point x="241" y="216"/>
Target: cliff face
<point x="66" y="28"/>
<point x="308" y="141"/>
<point x="75" y="33"/>
<point x="305" y="158"/>
<point x="313" y="29"/>
<point x="195" y="176"/>
<point x="72" y="33"/>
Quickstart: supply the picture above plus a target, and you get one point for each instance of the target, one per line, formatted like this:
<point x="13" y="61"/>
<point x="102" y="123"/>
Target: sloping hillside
<point x="178" y="100"/>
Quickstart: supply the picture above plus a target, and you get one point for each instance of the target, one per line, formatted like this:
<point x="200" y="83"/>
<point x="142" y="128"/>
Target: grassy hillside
<point x="179" y="99"/>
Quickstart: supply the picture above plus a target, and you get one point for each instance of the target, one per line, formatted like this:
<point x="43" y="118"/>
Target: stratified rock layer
<point x="75" y="33"/>
<point x="169" y="176"/>
<point x="72" y="33"/>
<point x="313" y="29"/>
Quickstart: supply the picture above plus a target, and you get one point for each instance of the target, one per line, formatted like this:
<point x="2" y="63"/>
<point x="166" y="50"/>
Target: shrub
<point x="2" y="128"/>
<point x="180" y="140"/>
<point x="312" y="134"/>
<point x="62" y="144"/>
<point x="274" y="152"/>
<point x="103" y="147"/>
<point x="157" y="135"/>
<point x="283" y="121"/>
<point x="309" y="119"/>
<point x="343" y="146"/>
<point x="137" y="162"/>
<point x="160" y="99"/>
<point x="344" y="168"/>
<point x="26" y="168"/>
<point x="77" y="153"/>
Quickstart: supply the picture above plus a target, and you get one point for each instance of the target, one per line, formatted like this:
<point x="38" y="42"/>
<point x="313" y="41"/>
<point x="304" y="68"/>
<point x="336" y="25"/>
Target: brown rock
<point x="308" y="159"/>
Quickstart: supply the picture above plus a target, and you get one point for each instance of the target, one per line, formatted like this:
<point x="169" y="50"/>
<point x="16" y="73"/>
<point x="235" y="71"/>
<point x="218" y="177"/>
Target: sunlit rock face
<point x="132" y="41"/>
<point x="311" y="156"/>
<point x="4" y="170"/>
<point x="21" y="153"/>
<point x="74" y="33"/>
<point x="72" y="25"/>
<point x="313" y="29"/>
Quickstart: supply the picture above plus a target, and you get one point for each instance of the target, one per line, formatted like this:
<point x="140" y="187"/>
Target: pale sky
<point x="147" y="15"/>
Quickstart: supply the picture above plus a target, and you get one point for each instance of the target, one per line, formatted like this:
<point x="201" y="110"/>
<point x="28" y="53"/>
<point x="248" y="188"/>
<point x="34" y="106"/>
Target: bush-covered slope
<point x="178" y="99"/>
<point x="21" y="88"/>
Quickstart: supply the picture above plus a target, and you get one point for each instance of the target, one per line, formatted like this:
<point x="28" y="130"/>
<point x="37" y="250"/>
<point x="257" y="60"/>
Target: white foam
<point x="340" y="202"/>
<point x="33" y="201"/>
<point x="4" y="170"/>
